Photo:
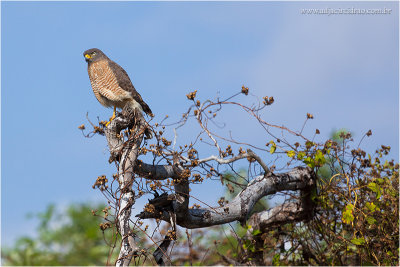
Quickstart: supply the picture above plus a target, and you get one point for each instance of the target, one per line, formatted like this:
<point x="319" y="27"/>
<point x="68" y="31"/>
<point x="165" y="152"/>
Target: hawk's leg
<point x="112" y="117"/>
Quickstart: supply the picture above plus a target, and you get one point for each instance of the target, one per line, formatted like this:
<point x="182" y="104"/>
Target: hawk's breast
<point x="105" y="85"/>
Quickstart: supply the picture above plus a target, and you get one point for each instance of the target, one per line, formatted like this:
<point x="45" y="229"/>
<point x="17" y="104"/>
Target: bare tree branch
<point x="161" y="172"/>
<point x="281" y="214"/>
<point x="240" y="207"/>
<point x="300" y="210"/>
<point x="155" y="172"/>
<point x="253" y="155"/>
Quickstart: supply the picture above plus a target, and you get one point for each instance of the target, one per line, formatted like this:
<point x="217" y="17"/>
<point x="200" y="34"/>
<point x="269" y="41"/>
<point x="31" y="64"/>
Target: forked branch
<point x="239" y="208"/>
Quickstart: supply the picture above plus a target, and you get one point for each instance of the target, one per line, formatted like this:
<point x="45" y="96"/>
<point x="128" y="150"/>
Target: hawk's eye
<point x="94" y="53"/>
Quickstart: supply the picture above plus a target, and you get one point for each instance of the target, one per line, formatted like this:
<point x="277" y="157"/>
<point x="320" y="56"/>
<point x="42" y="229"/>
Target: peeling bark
<point x="127" y="154"/>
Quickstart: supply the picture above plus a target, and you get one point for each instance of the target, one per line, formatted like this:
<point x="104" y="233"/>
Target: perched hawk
<point x="111" y="84"/>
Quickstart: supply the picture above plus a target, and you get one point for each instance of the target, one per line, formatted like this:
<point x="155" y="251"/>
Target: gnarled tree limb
<point x="161" y="172"/>
<point x="288" y="212"/>
<point x="240" y="207"/>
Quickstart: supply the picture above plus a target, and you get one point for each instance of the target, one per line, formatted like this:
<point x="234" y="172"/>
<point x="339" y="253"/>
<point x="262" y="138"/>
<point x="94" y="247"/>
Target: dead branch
<point x="240" y="207"/>
<point x="161" y="172"/>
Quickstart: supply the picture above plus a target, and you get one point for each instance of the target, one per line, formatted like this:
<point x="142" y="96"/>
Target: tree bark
<point x="240" y="207"/>
<point x="126" y="153"/>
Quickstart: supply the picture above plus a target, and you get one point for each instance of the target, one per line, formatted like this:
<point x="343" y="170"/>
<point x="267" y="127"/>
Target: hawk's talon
<point x="112" y="117"/>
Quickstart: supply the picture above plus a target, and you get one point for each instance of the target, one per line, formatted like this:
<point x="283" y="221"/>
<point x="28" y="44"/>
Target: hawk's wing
<point x="125" y="83"/>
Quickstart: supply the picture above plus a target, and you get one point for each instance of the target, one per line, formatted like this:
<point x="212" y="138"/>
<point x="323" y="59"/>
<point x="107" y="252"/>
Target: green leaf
<point x="247" y="245"/>
<point x="301" y="155"/>
<point x="256" y="232"/>
<point x="252" y="248"/>
<point x="371" y="220"/>
<point x="358" y="241"/>
<point x="275" y="260"/>
<point x="347" y="216"/>
<point x="310" y="162"/>
<point x="392" y="192"/>
<point x="273" y="147"/>
<point x="291" y="153"/>
<point x="371" y="206"/>
<point x="319" y="158"/>
<point x="375" y="188"/>
<point x="349" y="207"/>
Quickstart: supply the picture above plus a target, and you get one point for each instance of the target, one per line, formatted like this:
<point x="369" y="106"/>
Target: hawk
<point x="111" y="84"/>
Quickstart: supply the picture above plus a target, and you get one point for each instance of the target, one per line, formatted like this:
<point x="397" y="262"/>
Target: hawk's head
<point x="93" y="54"/>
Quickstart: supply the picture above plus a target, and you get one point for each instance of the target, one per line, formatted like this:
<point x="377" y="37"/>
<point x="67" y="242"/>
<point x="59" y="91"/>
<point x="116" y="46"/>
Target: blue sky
<point x="341" y="68"/>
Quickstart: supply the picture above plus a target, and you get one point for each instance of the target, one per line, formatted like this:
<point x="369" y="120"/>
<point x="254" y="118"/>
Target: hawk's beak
<point x="87" y="56"/>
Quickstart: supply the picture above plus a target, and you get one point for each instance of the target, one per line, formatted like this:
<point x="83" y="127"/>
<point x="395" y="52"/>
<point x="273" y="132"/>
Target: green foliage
<point x="356" y="221"/>
<point x="347" y="216"/>
<point x="275" y="260"/>
<point x="319" y="159"/>
<point x="256" y="232"/>
<point x="72" y="237"/>
<point x="357" y="218"/>
<point x="273" y="147"/>
<point x="358" y="241"/>
<point x="291" y="153"/>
